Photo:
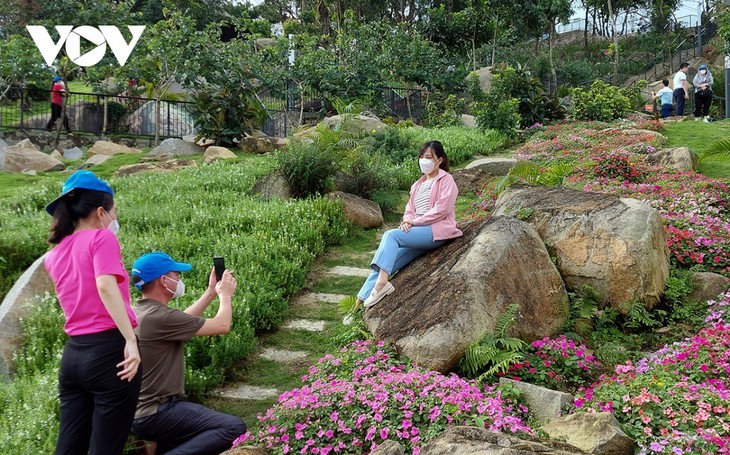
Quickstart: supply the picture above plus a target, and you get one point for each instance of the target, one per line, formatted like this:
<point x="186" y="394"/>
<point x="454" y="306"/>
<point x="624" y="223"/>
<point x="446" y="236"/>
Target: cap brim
<point x="51" y="207"/>
<point x="181" y="267"/>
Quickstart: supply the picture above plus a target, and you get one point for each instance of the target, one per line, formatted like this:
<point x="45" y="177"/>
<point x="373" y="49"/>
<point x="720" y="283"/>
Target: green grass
<point x="699" y="137"/>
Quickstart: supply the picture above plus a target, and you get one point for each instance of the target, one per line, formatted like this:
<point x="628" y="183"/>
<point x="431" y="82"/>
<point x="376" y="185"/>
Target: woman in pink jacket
<point x="429" y="221"/>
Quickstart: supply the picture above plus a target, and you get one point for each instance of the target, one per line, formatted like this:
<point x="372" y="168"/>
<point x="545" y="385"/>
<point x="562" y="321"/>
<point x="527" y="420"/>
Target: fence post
<point x="22" y="106"/>
<point x="168" y="119"/>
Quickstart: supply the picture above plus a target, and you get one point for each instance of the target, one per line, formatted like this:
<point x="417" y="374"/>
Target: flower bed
<point x="353" y="402"/>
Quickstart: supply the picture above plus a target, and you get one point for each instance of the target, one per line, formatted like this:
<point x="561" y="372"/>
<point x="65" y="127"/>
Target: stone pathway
<point x="305" y="324"/>
<point x="281" y="355"/>
<point x="349" y="271"/>
<point x="314" y="297"/>
<point x="246" y="392"/>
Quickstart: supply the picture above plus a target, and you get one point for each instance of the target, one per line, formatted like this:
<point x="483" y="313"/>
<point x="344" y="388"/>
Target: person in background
<point x="702" y="83"/>
<point x="178" y="426"/>
<point x="681" y="93"/>
<point x="58" y="92"/>
<point x="665" y="95"/>
<point x="98" y="381"/>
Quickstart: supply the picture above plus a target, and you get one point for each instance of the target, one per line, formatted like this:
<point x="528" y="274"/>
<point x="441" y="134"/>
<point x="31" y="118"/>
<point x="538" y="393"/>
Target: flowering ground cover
<point x="356" y="400"/>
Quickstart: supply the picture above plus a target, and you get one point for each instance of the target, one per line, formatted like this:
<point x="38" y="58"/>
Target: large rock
<point x="544" y="403"/>
<point x="707" y="286"/>
<point x="94" y="161"/>
<point x="32" y="283"/>
<point x="110" y="149"/>
<point x="470" y="180"/>
<point x="271" y="186"/>
<point x="461" y="440"/>
<point x="388" y="447"/>
<point x="485" y="78"/>
<point x="261" y="144"/>
<point x="175" y="146"/>
<point x="25" y="156"/>
<point x="74" y="153"/>
<point x="356" y="124"/>
<point x="215" y="153"/>
<point x="468" y="121"/>
<point x="161" y="166"/>
<point x="82" y="116"/>
<point x="449" y="298"/>
<point x="679" y="158"/>
<point x="359" y="211"/>
<point x="595" y="433"/>
<point x="175" y="120"/>
<point x="493" y="165"/>
<point x="617" y="246"/>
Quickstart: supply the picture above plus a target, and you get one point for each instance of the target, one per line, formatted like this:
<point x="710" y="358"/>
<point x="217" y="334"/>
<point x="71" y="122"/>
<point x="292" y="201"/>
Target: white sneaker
<point x="706" y="120"/>
<point x="376" y="297"/>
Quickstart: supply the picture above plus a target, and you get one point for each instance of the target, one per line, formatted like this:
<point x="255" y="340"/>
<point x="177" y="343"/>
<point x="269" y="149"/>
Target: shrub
<point x="308" y="169"/>
<point x="616" y="165"/>
<point x="602" y="102"/>
<point x="460" y="144"/>
<point x="498" y="114"/>
<point x="362" y="174"/>
<point x="444" y="110"/>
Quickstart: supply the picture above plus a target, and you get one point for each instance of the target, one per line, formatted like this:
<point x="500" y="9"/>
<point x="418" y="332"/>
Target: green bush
<point x="460" y="143"/>
<point x="362" y="174"/>
<point x="308" y="168"/>
<point x="496" y="113"/>
<point x="575" y="72"/>
<point x="601" y="102"/>
<point x="444" y="110"/>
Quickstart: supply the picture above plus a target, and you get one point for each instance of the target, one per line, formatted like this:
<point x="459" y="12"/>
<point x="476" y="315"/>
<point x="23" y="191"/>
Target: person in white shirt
<point x="681" y="93"/>
<point x="665" y="94"/>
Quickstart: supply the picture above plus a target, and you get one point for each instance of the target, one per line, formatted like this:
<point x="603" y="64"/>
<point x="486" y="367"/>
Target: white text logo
<point x="105" y="34"/>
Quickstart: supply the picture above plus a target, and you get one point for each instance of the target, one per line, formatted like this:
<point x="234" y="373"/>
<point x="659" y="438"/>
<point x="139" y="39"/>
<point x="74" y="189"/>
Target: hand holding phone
<point x="220" y="266"/>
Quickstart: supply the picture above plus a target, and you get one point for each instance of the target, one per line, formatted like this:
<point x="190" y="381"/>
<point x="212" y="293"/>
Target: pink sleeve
<point x="445" y="203"/>
<point x="410" y="206"/>
<point x="107" y="255"/>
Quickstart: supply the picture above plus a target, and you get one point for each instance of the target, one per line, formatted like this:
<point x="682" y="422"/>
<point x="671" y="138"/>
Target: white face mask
<point x="703" y="72"/>
<point x="427" y="166"/>
<point x="113" y="226"/>
<point x="179" y="288"/>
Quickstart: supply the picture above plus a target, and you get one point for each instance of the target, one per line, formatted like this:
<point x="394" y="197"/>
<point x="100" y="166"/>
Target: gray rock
<point x="26" y="156"/>
<point x="707" y="286"/>
<point x="359" y="211"/>
<point x="617" y="246"/>
<point x="679" y="158"/>
<point x="215" y="153"/>
<point x="388" y="448"/>
<point x="485" y="78"/>
<point x="544" y="403"/>
<point x="174" y="146"/>
<point x="94" y="160"/>
<point x="594" y="433"/>
<point x="111" y="148"/>
<point x="356" y="124"/>
<point x="449" y="298"/>
<point x="471" y="180"/>
<point x="461" y="440"/>
<point x="468" y="121"/>
<point x="175" y="120"/>
<point x="56" y="154"/>
<point x="271" y="186"/>
<point x="493" y="165"/>
<point x="73" y="153"/>
<point x="30" y="172"/>
<point x="160" y="166"/>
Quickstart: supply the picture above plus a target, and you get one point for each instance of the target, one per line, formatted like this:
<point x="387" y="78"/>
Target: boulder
<point x="449" y="298"/>
<point x="175" y="120"/>
<point x="203" y="141"/>
<point x="94" y="160"/>
<point x="246" y="450"/>
<point x="470" y="180"/>
<point x="679" y="158"/>
<point x="545" y="404"/>
<point x="595" y="433"/>
<point x="261" y="144"/>
<point x="25" y="156"/>
<point x="271" y="186"/>
<point x="707" y="286"/>
<point x="656" y="139"/>
<point x="73" y="153"/>
<point x="494" y="165"/>
<point x="617" y="246"/>
<point x="56" y="154"/>
<point x="33" y="282"/>
<point x="356" y="124"/>
<point x="388" y="447"/>
<point x="463" y="440"/>
<point x="110" y="149"/>
<point x="485" y="78"/>
<point x="468" y="121"/>
<point x="175" y="146"/>
<point x="359" y="211"/>
<point x="215" y="153"/>
<point x="260" y="43"/>
<point x="161" y="166"/>
<point x="82" y="116"/>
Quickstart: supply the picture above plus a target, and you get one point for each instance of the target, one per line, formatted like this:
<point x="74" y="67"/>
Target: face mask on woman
<point x="427" y="166"/>
<point x="114" y="225"/>
<point x="703" y="72"/>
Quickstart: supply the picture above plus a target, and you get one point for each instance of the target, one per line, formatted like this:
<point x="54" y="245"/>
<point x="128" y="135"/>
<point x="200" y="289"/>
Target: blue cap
<point x="85" y="180"/>
<point x="56" y="78"/>
<point x="703" y="67"/>
<point x="151" y="266"/>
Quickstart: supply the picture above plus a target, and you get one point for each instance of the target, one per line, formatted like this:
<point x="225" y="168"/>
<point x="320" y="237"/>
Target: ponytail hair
<point x="437" y="149"/>
<point x="74" y="206"/>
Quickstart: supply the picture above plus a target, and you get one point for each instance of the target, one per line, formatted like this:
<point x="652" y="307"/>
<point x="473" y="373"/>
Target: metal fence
<point x="30" y="109"/>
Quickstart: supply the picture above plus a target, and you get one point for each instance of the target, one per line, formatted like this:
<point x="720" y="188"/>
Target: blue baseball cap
<point x="703" y="67"/>
<point x="85" y="180"/>
<point x="151" y="266"/>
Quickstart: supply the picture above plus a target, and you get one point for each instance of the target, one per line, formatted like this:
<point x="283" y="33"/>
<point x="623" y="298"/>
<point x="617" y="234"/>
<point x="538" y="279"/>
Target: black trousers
<point x="679" y="98"/>
<point x="55" y="115"/>
<point x="97" y="407"/>
<point x="703" y="100"/>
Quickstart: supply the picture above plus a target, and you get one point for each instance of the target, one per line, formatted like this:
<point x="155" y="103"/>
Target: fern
<point x="534" y="174"/>
<point x="347" y="304"/>
<point x="720" y="150"/>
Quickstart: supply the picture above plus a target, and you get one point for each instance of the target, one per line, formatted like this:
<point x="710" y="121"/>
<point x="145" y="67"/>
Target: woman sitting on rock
<point x="429" y="221"/>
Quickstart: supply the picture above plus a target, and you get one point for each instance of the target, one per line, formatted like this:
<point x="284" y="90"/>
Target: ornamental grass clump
<point x="353" y="402"/>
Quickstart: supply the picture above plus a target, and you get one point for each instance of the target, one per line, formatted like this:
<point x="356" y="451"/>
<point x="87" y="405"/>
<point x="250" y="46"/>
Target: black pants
<point x="703" y="100"/>
<point x="97" y="407"/>
<point x="679" y="98"/>
<point x="55" y="115"/>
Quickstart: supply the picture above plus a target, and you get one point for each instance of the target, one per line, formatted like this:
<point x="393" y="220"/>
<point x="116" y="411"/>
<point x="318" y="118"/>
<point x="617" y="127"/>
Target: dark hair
<point x="684" y="65"/>
<point x="438" y="149"/>
<point x="145" y="287"/>
<point x="665" y="82"/>
<point x="74" y="206"/>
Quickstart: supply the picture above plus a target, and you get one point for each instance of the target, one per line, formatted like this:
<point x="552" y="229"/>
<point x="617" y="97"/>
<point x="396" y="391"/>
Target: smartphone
<point x="220" y="267"/>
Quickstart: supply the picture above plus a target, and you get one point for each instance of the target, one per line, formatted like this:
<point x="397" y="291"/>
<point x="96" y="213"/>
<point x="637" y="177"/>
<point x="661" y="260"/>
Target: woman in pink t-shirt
<point x="98" y="381"/>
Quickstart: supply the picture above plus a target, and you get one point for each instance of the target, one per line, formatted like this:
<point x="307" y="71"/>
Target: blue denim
<point x="666" y="110"/>
<point x="396" y="250"/>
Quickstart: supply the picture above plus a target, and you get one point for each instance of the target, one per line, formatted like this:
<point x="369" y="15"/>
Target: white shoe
<point x="376" y="297"/>
<point x="706" y="120"/>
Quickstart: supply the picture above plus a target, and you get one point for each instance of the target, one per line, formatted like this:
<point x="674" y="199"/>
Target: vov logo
<point x="105" y="34"/>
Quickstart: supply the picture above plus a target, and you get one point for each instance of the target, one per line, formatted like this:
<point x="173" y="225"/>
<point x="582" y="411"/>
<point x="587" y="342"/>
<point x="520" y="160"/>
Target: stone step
<point x="349" y="271"/>
<point x="246" y="392"/>
<point x="314" y="297"/>
<point x="305" y="324"/>
<point x="283" y="356"/>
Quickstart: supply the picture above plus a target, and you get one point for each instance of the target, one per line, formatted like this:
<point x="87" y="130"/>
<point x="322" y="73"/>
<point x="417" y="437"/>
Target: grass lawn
<point x="699" y="137"/>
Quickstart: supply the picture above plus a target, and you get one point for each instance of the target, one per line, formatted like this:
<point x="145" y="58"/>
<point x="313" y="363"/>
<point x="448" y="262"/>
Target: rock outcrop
<point x="479" y="441"/>
<point x="359" y="211"/>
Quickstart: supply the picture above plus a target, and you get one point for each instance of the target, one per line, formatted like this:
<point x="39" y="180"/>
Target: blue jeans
<point x="180" y="427"/>
<point x="666" y="110"/>
<point x="397" y="249"/>
<point x="679" y="98"/>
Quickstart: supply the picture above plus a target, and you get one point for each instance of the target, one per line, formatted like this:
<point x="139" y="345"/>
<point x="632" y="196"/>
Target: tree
<point x="552" y="12"/>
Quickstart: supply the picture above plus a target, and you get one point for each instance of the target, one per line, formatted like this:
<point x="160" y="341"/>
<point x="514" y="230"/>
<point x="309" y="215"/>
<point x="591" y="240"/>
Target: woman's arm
<point x="445" y="203"/>
<point x="114" y="304"/>
<point x="410" y="212"/>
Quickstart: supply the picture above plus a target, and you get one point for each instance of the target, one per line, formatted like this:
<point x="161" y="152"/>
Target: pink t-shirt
<point x="74" y="265"/>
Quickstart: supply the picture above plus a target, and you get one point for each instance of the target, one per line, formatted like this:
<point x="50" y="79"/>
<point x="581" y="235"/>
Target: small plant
<point x="524" y="213"/>
<point x="616" y="165"/>
<point x="443" y="111"/>
<point x="530" y="173"/>
<point x="601" y="102"/>
<point x="496" y="352"/>
<point x="308" y="169"/>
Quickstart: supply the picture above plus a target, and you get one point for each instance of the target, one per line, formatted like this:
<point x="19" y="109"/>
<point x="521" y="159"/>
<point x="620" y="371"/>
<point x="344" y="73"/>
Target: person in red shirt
<point x="57" y="94"/>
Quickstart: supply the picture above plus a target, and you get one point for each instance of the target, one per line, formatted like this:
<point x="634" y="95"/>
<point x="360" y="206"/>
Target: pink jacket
<point x="441" y="215"/>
